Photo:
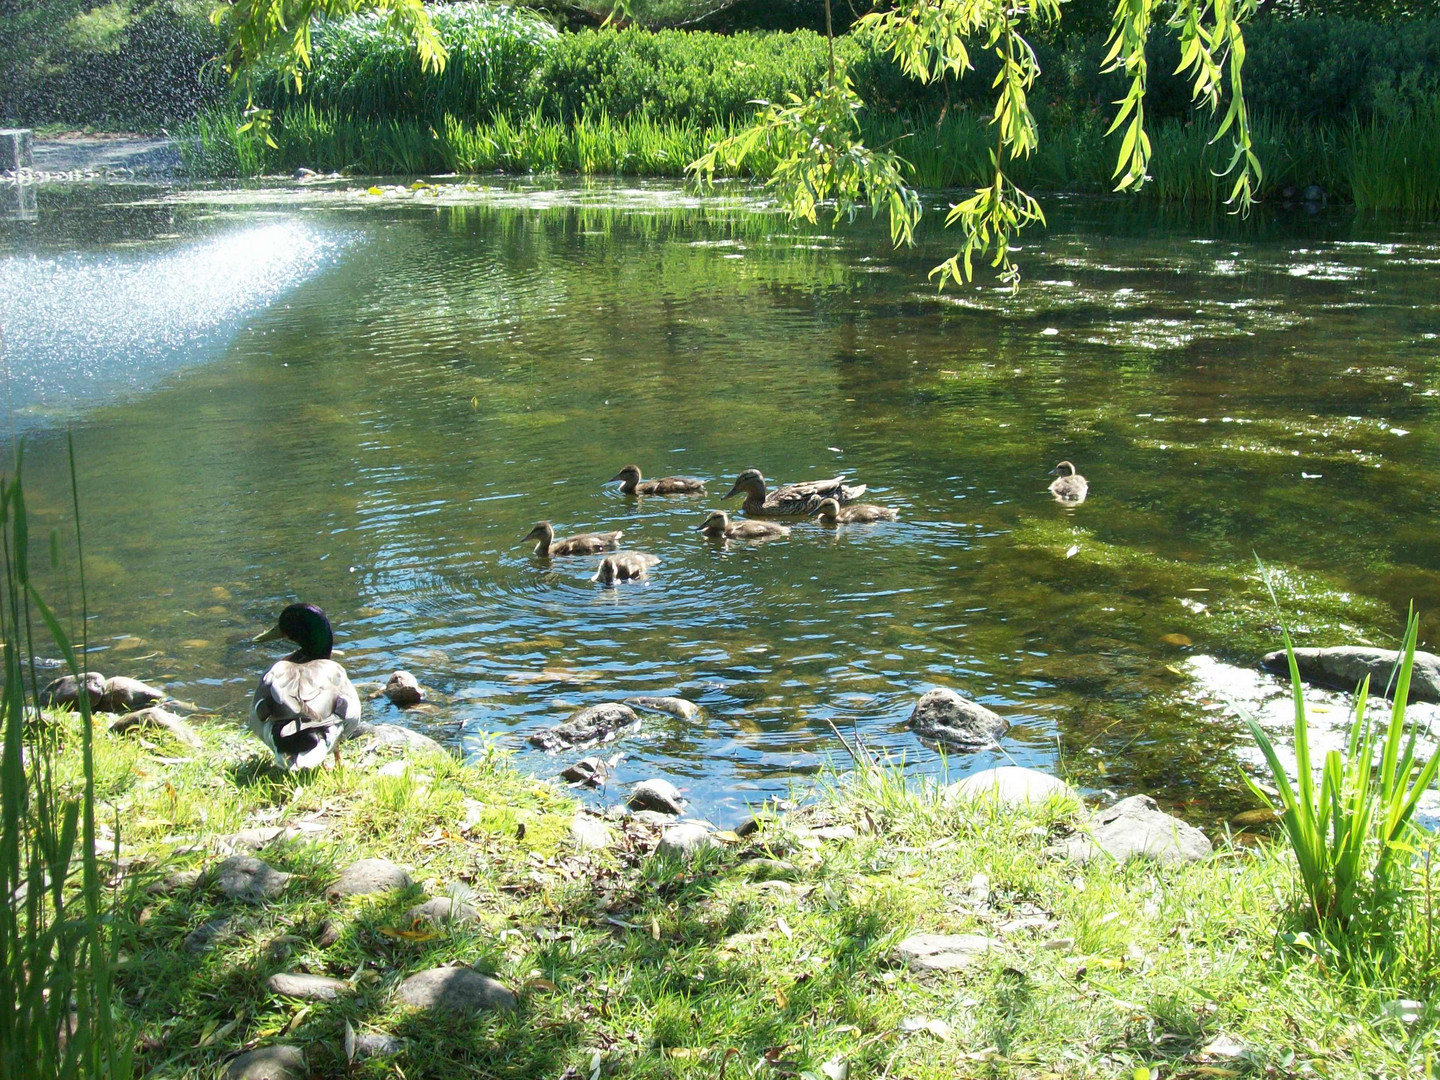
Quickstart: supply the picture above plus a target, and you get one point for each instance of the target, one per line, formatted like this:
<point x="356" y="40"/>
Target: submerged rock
<point x="1010" y="785"/>
<point x="590" y="771"/>
<point x="1136" y="828"/>
<point x="268" y="1063"/>
<point x="944" y="716"/>
<point x="366" y="876"/>
<point x="658" y="795"/>
<point x="455" y="989"/>
<point x="1342" y="668"/>
<point x="675" y="706"/>
<point x="250" y="880"/>
<point x="598" y="723"/>
<point x="943" y="952"/>
<point x="403" y="690"/>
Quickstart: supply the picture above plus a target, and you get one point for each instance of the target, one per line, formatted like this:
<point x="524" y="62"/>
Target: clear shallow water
<point x="397" y="387"/>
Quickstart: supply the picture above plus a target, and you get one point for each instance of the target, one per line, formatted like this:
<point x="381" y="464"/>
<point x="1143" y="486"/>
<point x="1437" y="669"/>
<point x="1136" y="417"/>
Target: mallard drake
<point x="791" y="498"/>
<point x="624" y="566"/>
<point x="719" y="527"/>
<point x="582" y="544"/>
<point x="832" y="513"/>
<point x="305" y="704"/>
<point x="1068" y="486"/>
<point x="631" y="484"/>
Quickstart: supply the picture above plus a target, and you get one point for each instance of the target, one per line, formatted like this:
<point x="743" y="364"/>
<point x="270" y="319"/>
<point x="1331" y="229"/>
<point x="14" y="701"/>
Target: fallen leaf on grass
<point x="541" y="984"/>
<point x="938" y="1028"/>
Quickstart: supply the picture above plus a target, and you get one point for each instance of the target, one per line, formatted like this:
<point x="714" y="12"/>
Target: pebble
<point x="250" y="880"/>
<point x="211" y="933"/>
<point x="394" y="735"/>
<point x="590" y="833"/>
<point x="367" y="876"/>
<point x="943" y="716"/>
<point x="590" y="771"/>
<point x="307" y="987"/>
<point x="278" y="1062"/>
<point x="1136" y="828"/>
<point x="370" y="1045"/>
<point x="943" y="952"/>
<point x="675" y="706"/>
<point x="1009" y="785"/>
<point x="440" y="910"/>
<point x="685" y="841"/>
<point x="455" y="989"/>
<point x="403" y="689"/>
<point x="659" y="795"/>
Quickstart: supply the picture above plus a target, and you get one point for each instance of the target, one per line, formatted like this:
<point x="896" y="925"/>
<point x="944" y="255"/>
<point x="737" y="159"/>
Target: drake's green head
<point x="307" y="626"/>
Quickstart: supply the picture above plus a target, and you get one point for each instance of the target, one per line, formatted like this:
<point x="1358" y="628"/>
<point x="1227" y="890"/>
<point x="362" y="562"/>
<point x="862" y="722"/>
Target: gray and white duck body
<point x="791" y="500"/>
<point x="305" y="704"/>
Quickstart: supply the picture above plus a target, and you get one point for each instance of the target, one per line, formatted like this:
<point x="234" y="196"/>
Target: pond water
<point x="365" y="401"/>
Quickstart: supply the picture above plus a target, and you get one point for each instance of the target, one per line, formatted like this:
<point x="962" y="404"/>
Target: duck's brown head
<point x="543" y="532"/>
<point x="716" y="524"/>
<point x="629" y="476"/>
<point x="1063" y="469"/>
<point x="828" y="510"/>
<point x="750" y="483"/>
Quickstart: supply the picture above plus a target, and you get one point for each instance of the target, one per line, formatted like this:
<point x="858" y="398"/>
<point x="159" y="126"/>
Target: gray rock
<point x="328" y="933"/>
<point x="250" y="880"/>
<point x="455" y="989"/>
<point x="590" y="771"/>
<point x="1136" y="828"/>
<point x="658" y="795"/>
<point x="156" y="719"/>
<point x="401" y="738"/>
<point x="211" y="933"/>
<point x="652" y="819"/>
<point x="675" y="706"/>
<point x="370" y="1045"/>
<point x="590" y="833"/>
<point x="268" y="1063"/>
<point x="943" y="952"/>
<point x="685" y="841"/>
<point x="1010" y="785"/>
<point x="403" y="689"/>
<point x="944" y="716"/>
<point x="440" y="910"/>
<point x="179" y="881"/>
<point x="307" y="987"/>
<point x="64" y="692"/>
<point x="368" y="876"/>
<point x="1344" y="666"/>
<point x="123" y="694"/>
<point x="598" y="723"/>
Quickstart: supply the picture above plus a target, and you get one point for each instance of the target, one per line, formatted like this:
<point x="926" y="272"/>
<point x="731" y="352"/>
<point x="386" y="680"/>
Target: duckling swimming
<point x="719" y="527"/>
<point x="802" y="498"/>
<point x="305" y="704"/>
<point x="631" y="484"/>
<point x="831" y="512"/>
<point x="582" y="544"/>
<point x="624" y="566"/>
<point x="1068" y="485"/>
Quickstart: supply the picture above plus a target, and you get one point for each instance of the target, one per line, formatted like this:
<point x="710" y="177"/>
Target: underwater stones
<point x="943" y="716"/>
<point x="65" y="691"/>
<point x="1009" y="785"/>
<point x="156" y="719"/>
<point x="367" y="876"/>
<point x="455" y="989"/>
<point x="122" y="694"/>
<point x="249" y="880"/>
<point x="590" y="833"/>
<point x="685" y="841"/>
<point x="943" y="952"/>
<point x="657" y="795"/>
<point x="278" y="1062"/>
<point x="674" y="706"/>
<point x="590" y="771"/>
<point x="1136" y="828"/>
<point x="442" y="910"/>
<point x="597" y="723"/>
<point x="403" y="690"/>
<point x="1342" y="667"/>
<point x="307" y="987"/>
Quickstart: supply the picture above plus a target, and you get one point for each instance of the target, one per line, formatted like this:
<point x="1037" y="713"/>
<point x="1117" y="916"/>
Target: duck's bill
<point x="272" y="634"/>
<point x="616" y="478"/>
<point x="732" y="492"/>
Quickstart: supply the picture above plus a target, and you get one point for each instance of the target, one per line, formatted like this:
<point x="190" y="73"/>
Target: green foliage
<point x="1395" y="164"/>
<point x="1350" y="835"/>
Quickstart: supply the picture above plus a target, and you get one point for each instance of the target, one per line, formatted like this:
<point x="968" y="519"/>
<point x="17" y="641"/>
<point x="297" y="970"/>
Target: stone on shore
<point x="442" y="910"/>
<point x="685" y="841"/>
<point x="211" y="933"/>
<point x="64" y="692"/>
<point x="156" y="719"/>
<point x="250" y="880"/>
<point x="307" y="987"/>
<point x="399" y="737"/>
<point x="403" y="690"/>
<point x="675" y="706"/>
<point x="943" y="716"/>
<point x="943" y="952"/>
<point x="1009" y="785"/>
<point x="597" y="723"/>
<point x="1342" y="668"/>
<point x="658" y="795"/>
<point x="590" y="833"/>
<point x="376" y="1044"/>
<point x="279" y="1062"/>
<point x="1136" y="828"/>
<point x="455" y="989"/>
<point x="124" y="694"/>
<point x="367" y="876"/>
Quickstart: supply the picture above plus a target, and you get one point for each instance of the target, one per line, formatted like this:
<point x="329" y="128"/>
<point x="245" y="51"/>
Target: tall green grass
<point x="1395" y="164"/>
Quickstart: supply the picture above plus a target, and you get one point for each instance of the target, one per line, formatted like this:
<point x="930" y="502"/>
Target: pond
<point x="366" y="400"/>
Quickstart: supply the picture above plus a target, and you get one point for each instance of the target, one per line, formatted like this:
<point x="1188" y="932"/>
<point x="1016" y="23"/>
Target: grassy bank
<point x="776" y="950"/>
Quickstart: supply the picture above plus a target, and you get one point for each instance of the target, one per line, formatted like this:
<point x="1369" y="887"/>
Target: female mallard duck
<point x="832" y="513"/>
<point x="631" y="484"/>
<point x="1068" y="485"/>
<point x="583" y="544"/>
<point x="305" y="704"/>
<point x="624" y="566"/>
<point x="719" y="527"/>
<point x="791" y="498"/>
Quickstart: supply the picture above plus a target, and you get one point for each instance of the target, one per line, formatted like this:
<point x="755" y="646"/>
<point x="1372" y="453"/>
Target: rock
<point x="124" y="695"/>
<point x="675" y="706"/>
<point x="367" y="876"/>
<point x="327" y="933"/>
<point x="944" y="716"/>
<point x="211" y="933"/>
<point x="455" y="989"/>
<point x="590" y="833"/>
<point x="156" y="719"/>
<point x="685" y="841"/>
<point x="1344" y="666"/>
<point x="399" y="737"/>
<point x="1009" y="785"/>
<point x="658" y="795"/>
<point x="307" y="987"/>
<point x="303" y="173"/>
<point x="1136" y="827"/>
<point x="179" y="881"/>
<point x="370" y="1045"/>
<point x="590" y="771"/>
<point x="403" y="689"/>
<point x="250" y="880"/>
<point x="440" y="910"/>
<point x="64" y="692"/>
<point x="1315" y="194"/>
<point x="268" y="1063"/>
<point x="943" y="952"/>
<point x="598" y="723"/>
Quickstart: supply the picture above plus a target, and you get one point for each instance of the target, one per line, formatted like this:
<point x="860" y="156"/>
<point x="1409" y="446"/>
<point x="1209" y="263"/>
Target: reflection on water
<point x="378" y="441"/>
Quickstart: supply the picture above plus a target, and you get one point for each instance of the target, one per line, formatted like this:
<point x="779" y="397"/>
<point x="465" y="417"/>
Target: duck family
<point x="306" y="705"/>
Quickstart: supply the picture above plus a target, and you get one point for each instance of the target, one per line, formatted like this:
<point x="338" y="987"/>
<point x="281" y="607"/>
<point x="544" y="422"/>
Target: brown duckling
<point x="631" y="484"/>
<point x="832" y="513"/>
<point x="1068" y="486"/>
<point x="624" y="566"/>
<point x="801" y="498"/>
<point x="583" y="544"/>
<point x="719" y="527"/>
